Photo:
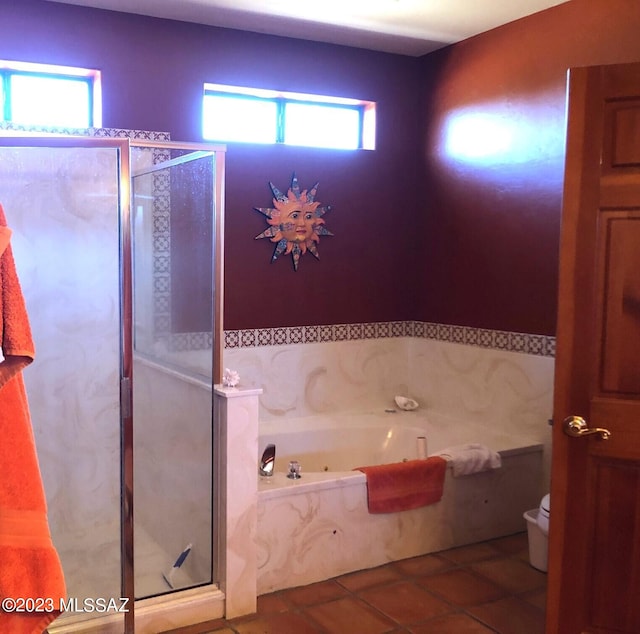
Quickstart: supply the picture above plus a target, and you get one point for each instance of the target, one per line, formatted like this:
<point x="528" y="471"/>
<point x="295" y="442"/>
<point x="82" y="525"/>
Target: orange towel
<point x="29" y="564"/>
<point x="402" y="486"/>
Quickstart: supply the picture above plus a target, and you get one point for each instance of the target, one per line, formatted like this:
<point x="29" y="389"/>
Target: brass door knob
<point x="576" y="426"/>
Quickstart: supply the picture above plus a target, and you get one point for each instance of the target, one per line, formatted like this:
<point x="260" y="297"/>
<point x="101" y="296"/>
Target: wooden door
<point x="594" y="542"/>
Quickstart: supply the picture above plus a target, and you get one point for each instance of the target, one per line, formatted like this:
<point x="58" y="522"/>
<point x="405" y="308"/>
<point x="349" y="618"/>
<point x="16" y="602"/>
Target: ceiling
<point x="407" y="27"/>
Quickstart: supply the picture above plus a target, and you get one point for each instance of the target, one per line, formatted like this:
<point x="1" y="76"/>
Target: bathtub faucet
<point x="267" y="462"/>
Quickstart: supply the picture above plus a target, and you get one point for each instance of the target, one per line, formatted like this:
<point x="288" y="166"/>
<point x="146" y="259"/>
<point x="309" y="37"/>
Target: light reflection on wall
<point x="533" y="133"/>
<point x="478" y="137"/>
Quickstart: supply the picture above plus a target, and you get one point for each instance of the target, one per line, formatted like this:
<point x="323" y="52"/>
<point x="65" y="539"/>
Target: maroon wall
<point x="494" y="149"/>
<point x="153" y="73"/>
<point x="423" y="230"/>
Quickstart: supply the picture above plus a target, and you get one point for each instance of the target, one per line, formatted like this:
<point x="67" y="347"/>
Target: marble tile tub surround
<point x="510" y="392"/>
<point x="312" y="534"/>
<point x="300" y="377"/>
<point x="300" y="380"/>
<point x="236" y="411"/>
<point x="501" y="379"/>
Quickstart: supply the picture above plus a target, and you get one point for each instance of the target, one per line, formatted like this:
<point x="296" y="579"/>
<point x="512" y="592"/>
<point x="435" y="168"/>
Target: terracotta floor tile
<point x="471" y="553"/>
<point x="283" y="623"/>
<point x="510" y="616"/>
<point x="314" y="593"/>
<point x="356" y="581"/>
<point x="270" y="603"/>
<point x="512" y="544"/>
<point x="349" y="616"/>
<point x="515" y="546"/>
<point x="215" y="625"/>
<point x="405" y="602"/>
<point x="451" y="624"/>
<point x="424" y="565"/>
<point x="511" y="574"/>
<point x="462" y="587"/>
<point x="538" y="598"/>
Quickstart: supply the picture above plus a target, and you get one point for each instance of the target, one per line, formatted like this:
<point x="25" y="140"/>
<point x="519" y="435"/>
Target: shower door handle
<point x="576" y="426"/>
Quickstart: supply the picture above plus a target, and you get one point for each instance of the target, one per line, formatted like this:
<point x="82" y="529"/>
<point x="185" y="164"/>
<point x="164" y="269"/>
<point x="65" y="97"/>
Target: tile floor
<point x="482" y="588"/>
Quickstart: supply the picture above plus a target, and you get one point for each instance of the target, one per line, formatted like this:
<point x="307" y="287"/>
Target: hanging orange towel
<point x="30" y="570"/>
<point x="402" y="486"/>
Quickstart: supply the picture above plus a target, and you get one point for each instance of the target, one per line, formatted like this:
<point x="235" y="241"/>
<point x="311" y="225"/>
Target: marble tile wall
<point x="500" y="379"/>
<point x="508" y="391"/>
<point x="323" y="378"/>
<point x="236" y="415"/>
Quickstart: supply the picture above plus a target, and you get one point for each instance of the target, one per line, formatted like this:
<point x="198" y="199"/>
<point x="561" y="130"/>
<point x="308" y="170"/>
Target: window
<point x="49" y="96"/>
<point x="232" y="114"/>
<point x="235" y="118"/>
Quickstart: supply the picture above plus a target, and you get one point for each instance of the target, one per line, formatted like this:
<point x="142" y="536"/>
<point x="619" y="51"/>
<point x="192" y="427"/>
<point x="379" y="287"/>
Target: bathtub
<point x="319" y="527"/>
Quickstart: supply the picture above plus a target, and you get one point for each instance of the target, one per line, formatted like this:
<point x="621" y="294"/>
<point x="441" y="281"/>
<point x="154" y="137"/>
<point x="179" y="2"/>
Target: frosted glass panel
<point x="173" y="212"/>
<point x="62" y="205"/>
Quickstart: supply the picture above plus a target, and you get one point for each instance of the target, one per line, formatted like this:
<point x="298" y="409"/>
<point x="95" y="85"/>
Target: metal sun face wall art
<point x="295" y="221"/>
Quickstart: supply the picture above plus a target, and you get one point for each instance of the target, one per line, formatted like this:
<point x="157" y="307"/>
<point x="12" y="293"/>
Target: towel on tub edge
<point x="471" y="458"/>
<point x="402" y="486"/>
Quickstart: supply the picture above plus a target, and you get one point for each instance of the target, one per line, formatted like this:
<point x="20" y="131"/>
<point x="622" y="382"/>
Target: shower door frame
<point x="208" y="601"/>
<point x="204" y="599"/>
<point x="217" y="152"/>
<point x="122" y="146"/>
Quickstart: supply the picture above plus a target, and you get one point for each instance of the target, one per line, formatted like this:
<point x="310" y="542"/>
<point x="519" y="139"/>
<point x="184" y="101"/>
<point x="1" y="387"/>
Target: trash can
<point x="538" y="538"/>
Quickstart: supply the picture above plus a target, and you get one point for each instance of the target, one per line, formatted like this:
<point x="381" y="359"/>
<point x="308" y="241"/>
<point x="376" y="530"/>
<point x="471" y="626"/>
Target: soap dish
<point x="405" y="403"/>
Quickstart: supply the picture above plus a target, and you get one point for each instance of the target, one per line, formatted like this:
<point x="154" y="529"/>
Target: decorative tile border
<point x="541" y="345"/>
<point x="111" y="133"/>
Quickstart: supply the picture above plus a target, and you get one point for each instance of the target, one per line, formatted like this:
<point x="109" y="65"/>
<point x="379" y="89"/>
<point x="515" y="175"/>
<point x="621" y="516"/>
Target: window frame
<point x="90" y="77"/>
<point x="365" y="109"/>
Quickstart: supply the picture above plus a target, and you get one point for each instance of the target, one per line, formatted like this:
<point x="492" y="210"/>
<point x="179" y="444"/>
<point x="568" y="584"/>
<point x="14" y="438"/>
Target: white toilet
<point x="538" y="533"/>
<point x="543" y="514"/>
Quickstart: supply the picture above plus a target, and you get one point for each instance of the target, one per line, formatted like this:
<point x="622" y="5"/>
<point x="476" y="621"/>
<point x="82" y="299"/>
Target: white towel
<point x="471" y="458"/>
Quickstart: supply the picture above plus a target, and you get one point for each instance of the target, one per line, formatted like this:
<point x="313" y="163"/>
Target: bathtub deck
<point x="278" y="485"/>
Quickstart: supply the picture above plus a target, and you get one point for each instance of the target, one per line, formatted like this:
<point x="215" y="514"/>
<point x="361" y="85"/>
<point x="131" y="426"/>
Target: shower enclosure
<point x="116" y="244"/>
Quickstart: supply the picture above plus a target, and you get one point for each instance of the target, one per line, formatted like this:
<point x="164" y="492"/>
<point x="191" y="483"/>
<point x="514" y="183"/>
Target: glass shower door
<point x="173" y="210"/>
<point x="63" y="204"/>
